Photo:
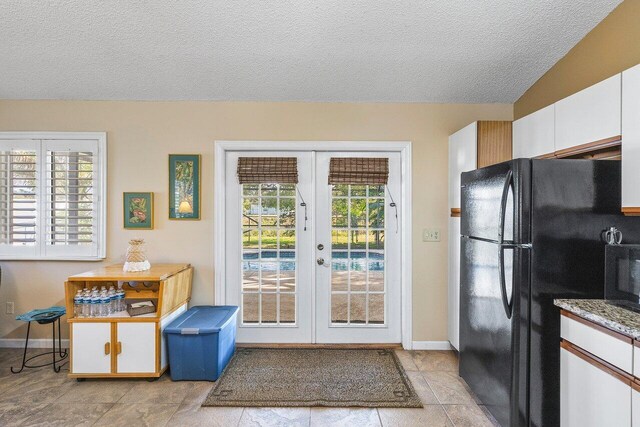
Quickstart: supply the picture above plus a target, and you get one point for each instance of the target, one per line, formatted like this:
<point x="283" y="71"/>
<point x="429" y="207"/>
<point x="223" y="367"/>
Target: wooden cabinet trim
<point x="631" y="211"/>
<point x="455" y="212"/>
<point x="614" y="141"/>
<point x="597" y="362"/>
<point x="546" y="156"/>
<point x="493" y="142"/>
<point x="597" y="327"/>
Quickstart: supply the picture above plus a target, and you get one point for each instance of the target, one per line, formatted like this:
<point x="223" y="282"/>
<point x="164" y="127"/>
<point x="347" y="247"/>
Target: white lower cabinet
<point x="132" y="349"/>
<point x="590" y="395"/>
<point x="136" y="347"/>
<point x="635" y="407"/>
<point x="91" y="349"/>
<point x="454" y="282"/>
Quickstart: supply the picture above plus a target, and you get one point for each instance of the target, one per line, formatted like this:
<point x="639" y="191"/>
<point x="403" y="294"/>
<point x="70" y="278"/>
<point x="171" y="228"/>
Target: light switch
<point x="431" y="235"/>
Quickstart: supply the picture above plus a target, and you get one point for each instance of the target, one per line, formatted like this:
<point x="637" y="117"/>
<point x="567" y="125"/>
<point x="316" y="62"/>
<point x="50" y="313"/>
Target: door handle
<point x="118" y="347"/>
<point x="503" y="203"/>
<point x="508" y="306"/>
<point x="107" y="348"/>
<point x="320" y="261"/>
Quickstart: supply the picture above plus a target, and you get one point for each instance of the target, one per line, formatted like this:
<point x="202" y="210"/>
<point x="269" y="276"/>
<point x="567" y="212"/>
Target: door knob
<point x="320" y="261"/>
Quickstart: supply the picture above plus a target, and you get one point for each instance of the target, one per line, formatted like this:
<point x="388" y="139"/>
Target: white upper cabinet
<point x="462" y="158"/>
<point x="534" y="135"/>
<point x="592" y="114"/>
<point x="631" y="139"/>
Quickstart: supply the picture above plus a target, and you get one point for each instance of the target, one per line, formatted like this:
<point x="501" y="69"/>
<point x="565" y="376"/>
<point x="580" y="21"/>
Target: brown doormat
<point x="267" y="377"/>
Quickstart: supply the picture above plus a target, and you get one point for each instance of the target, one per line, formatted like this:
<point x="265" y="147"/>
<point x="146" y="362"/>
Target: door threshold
<point x="329" y="346"/>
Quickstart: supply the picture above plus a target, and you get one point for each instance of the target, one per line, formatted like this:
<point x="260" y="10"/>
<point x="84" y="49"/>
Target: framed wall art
<point x="184" y="186"/>
<point x="137" y="211"/>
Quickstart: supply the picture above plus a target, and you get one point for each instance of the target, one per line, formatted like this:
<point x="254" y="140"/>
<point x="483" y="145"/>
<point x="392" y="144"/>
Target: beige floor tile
<point x="161" y="391"/>
<point x="195" y="415"/>
<point x="344" y="417"/>
<point x="467" y="416"/>
<point x="69" y="414"/>
<point x="435" y="360"/>
<point x="137" y="414"/>
<point x="97" y="391"/>
<point x="198" y="392"/>
<point x="449" y="388"/>
<point x="17" y="413"/>
<point x="271" y="417"/>
<point x="35" y="386"/>
<point x="430" y="415"/>
<point x="406" y="360"/>
<point x="422" y="388"/>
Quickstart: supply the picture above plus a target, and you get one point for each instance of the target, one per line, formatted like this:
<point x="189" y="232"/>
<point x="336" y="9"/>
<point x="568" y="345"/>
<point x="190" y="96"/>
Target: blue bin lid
<point x="202" y="319"/>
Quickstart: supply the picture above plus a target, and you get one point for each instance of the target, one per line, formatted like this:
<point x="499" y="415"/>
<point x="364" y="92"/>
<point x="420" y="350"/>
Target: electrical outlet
<point x="431" y="235"/>
<point x="10" y="307"/>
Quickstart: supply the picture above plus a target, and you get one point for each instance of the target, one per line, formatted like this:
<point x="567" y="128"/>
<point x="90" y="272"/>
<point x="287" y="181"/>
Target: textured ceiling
<point x="275" y="50"/>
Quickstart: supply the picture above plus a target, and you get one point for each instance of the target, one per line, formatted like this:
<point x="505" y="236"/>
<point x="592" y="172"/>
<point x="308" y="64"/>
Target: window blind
<point x="359" y="170"/>
<point x="268" y="170"/>
<point x="18" y="200"/>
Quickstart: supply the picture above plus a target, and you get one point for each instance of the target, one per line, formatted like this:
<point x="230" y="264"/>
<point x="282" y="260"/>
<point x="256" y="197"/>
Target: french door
<point x="313" y="262"/>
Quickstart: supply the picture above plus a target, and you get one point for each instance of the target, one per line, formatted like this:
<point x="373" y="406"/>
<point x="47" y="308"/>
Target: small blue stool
<point x="43" y="316"/>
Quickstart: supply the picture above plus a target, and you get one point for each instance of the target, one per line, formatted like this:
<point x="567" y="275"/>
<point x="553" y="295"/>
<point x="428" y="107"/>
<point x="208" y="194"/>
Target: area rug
<point x="372" y="378"/>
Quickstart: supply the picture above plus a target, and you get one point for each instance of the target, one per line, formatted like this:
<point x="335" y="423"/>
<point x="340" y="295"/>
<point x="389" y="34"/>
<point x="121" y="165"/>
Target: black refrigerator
<point x="531" y="231"/>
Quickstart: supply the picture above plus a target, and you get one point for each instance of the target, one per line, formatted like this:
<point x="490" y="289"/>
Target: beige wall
<point x="141" y="135"/>
<point x="611" y="47"/>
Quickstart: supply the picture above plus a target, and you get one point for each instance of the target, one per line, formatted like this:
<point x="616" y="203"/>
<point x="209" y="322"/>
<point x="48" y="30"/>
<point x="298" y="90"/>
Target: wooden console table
<point x="120" y="345"/>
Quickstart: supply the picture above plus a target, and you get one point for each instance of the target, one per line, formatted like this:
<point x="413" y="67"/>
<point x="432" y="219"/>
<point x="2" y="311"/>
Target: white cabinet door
<point x="631" y="137"/>
<point x="454" y="281"/>
<point x="463" y="151"/>
<point x="590" y="115"/>
<point x="91" y="348"/>
<point x="589" y="396"/>
<point x="534" y="135"/>
<point x="137" y="347"/>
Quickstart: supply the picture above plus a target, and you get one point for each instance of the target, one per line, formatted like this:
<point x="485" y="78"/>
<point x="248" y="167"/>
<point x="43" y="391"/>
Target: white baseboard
<point x="431" y="345"/>
<point x="33" y="343"/>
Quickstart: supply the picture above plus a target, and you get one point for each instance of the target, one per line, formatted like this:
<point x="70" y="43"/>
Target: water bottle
<point x="95" y="304"/>
<point x="113" y="300"/>
<point x="77" y="304"/>
<point x="86" y="304"/>
<point x="104" y="304"/>
<point x="122" y="306"/>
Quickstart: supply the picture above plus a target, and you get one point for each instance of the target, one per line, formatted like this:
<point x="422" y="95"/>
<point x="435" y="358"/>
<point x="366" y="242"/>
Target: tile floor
<point x="41" y="397"/>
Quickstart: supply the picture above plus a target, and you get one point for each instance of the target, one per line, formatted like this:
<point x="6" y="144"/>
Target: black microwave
<point x="622" y="274"/>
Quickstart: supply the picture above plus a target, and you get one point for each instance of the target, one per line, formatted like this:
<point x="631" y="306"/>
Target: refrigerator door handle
<point x="508" y="306"/>
<point x="508" y="181"/>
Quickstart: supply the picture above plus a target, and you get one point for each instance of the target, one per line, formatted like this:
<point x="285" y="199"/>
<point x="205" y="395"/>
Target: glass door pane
<point x="268" y="254"/>
<point x="358" y="256"/>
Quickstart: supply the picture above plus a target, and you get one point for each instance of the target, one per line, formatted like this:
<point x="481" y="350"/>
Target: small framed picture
<point x="184" y="186"/>
<point x="138" y="210"/>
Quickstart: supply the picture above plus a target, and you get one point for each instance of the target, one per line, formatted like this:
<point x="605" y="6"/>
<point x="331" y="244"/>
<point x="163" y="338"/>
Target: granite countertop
<point x="600" y="312"/>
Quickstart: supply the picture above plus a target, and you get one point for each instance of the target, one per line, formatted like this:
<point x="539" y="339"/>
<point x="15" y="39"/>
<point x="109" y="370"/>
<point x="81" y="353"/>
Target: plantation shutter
<point x="18" y="197"/>
<point x="71" y="198"/>
<point x="359" y="170"/>
<point x="268" y="170"/>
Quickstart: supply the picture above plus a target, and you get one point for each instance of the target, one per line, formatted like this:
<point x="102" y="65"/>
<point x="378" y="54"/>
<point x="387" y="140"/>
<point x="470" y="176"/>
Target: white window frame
<point x="100" y="192"/>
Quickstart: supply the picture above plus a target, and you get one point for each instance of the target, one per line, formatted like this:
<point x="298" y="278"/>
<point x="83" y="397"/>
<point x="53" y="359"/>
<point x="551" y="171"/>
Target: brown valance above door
<point x="268" y="170"/>
<point x="359" y="170"/>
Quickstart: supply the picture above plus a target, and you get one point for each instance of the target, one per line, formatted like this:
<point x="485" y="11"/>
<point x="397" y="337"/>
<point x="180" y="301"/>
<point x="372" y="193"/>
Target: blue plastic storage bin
<point x="201" y="341"/>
